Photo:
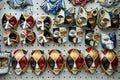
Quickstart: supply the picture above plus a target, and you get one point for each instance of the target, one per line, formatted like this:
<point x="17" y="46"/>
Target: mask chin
<point x="18" y="71"/>
<point x="37" y="72"/>
<point x="56" y="71"/>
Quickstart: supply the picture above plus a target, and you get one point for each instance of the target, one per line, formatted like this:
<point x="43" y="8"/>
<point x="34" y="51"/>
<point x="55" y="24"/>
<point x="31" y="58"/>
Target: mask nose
<point x="42" y="27"/>
<point x="24" y="25"/>
<point x="7" y="25"/>
<point x="110" y="67"/>
<point x="37" y="66"/>
<point x="74" y="65"/>
<point x="56" y="67"/>
<point x="93" y="65"/>
<point x="8" y="41"/>
<point x="18" y="66"/>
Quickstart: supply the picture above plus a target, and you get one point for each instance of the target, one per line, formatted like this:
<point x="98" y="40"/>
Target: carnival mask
<point x="108" y="40"/>
<point x="26" y="21"/>
<point x="109" y="62"/>
<point x="92" y="59"/>
<point x="74" y="61"/>
<point x="19" y="61"/>
<point x="86" y="19"/>
<point x="60" y="35"/>
<point x="37" y="61"/>
<point x="55" y="61"/>
<point x="4" y="62"/>
<point x="44" y="22"/>
<point x="92" y="38"/>
<point x="108" y="19"/>
<point x="11" y="37"/>
<point x="44" y="37"/>
<point x="27" y="37"/>
<point x="9" y="22"/>
<point x="75" y="34"/>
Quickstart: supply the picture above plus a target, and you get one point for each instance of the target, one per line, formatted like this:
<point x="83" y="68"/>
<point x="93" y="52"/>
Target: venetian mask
<point x="37" y="61"/>
<point x="27" y="37"/>
<point x="92" y="38"/>
<point x="108" y="40"/>
<point x="19" y="61"/>
<point x="4" y="62"/>
<point x="55" y="61"/>
<point x="44" y="37"/>
<point x="75" y="34"/>
<point x="108" y="19"/>
<point x="86" y="19"/>
<point x="60" y="35"/>
<point x="108" y="3"/>
<point x="9" y="22"/>
<point x="11" y="37"/>
<point x="26" y="21"/>
<point x="109" y="62"/>
<point x="92" y="59"/>
<point x="44" y="22"/>
<point x="74" y="61"/>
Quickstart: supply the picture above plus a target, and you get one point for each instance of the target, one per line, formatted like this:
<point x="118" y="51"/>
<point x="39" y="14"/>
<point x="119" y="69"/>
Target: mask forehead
<point x="54" y="54"/>
<point x="19" y="54"/>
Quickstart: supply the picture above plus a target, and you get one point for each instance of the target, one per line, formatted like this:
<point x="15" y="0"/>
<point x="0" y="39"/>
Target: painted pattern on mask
<point x="55" y="61"/>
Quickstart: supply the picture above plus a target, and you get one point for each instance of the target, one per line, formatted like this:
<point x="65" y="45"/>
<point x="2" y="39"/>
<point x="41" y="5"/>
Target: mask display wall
<point x="109" y="62"/>
<point x="37" y="62"/>
<point x="108" y="40"/>
<point x="9" y="22"/>
<point x="1" y="4"/>
<point x="4" y="62"/>
<point x="74" y="61"/>
<point x="26" y="21"/>
<point x="55" y="61"/>
<point x="60" y="35"/>
<point x="92" y="59"/>
<point x="75" y="34"/>
<point x="43" y="22"/>
<point x="108" y="19"/>
<point x="19" y="61"/>
<point x="11" y="37"/>
<point x="86" y="19"/>
<point x="92" y="38"/>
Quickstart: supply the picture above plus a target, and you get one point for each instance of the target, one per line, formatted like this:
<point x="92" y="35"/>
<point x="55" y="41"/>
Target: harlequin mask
<point x="26" y="21"/>
<point x="80" y="2"/>
<point x="108" y="3"/>
<point x="27" y="37"/>
<point x="108" y="19"/>
<point x="55" y="61"/>
<point x="11" y="37"/>
<point x="108" y="40"/>
<point x="109" y="62"/>
<point x="4" y="62"/>
<point x="44" y="22"/>
<point x="92" y="38"/>
<point x="44" y="37"/>
<point x="86" y="19"/>
<point x="9" y="21"/>
<point x="92" y="59"/>
<point x="19" y="61"/>
<point x="60" y="35"/>
<point x="37" y="62"/>
<point x="75" y="34"/>
<point x="74" y="61"/>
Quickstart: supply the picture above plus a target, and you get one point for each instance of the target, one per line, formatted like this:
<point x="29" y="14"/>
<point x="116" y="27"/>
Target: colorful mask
<point x="108" y="19"/>
<point x="108" y="3"/>
<point x="92" y="59"/>
<point x="80" y="2"/>
<point x="60" y="35"/>
<point x="4" y="62"/>
<point x="86" y="19"/>
<point x="75" y="34"/>
<point x="26" y="21"/>
<point x="44" y="37"/>
<point x="55" y="61"/>
<point x="27" y="37"/>
<point x="52" y="6"/>
<point x="9" y="22"/>
<point x="44" y="22"/>
<point x="11" y="37"/>
<point x="92" y="38"/>
<point x="19" y="61"/>
<point x="74" y="61"/>
<point x="108" y="40"/>
<point x="37" y="62"/>
<point x="109" y="62"/>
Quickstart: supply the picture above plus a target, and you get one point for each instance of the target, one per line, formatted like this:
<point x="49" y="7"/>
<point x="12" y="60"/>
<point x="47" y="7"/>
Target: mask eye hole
<point x="106" y="20"/>
<point x="12" y="36"/>
<point x="88" y="60"/>
<point x="14" y="62"/>
<point x="70" y="62"/>
<point x="60" y="16"/>
<point x="51" y="63"/>
<point x="60" y="61"/>
<point x="105" y="63"/>
<point x="32" y="63"/>
<point x="106" y="39"/>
